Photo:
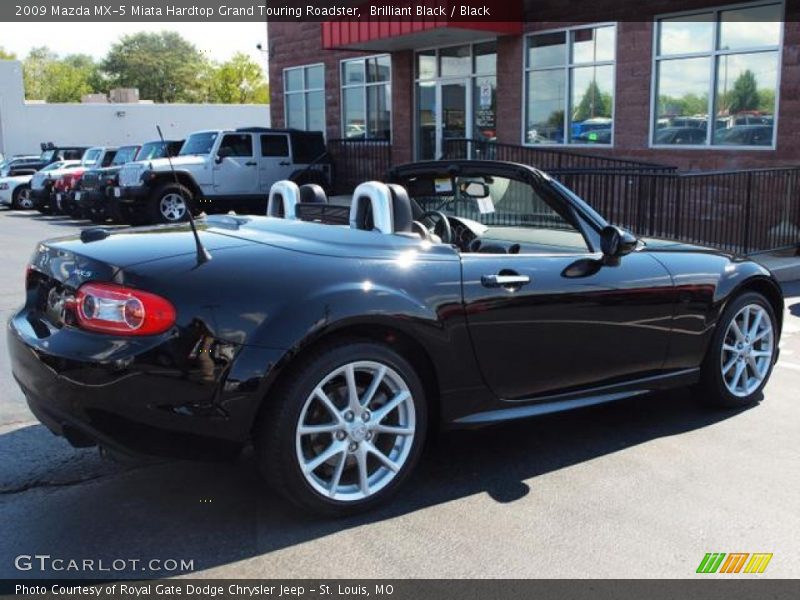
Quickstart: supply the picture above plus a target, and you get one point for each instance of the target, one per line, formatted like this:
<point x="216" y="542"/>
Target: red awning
<point x="409" y="31"/>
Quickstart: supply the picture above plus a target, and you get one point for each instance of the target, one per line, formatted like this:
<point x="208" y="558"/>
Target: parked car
<point x="463" y="293"/>
<point x="220" y="170"/>
<point x="42" y="182"/>
<point x="96" y="196"/>
<point x="594" y="136"/>
<point x="89" y="194"/>
<point x="50" y="154"/>
<point x="15" y="190"/>
<point x="687" y="136"/>
<point x="20" y="164"/>
<point x="580" y="128"/>
<point x="744" y="135"/>
<point x="63" y="198"/>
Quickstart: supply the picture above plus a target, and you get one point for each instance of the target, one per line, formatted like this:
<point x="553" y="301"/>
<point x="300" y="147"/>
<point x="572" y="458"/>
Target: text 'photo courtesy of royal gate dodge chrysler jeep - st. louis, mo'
<point x="336" y="338"/>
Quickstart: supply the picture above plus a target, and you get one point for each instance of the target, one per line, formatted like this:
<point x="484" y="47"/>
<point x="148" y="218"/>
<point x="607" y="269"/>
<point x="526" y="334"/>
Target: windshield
<point x="48" y="155"/>
<point x="54" y="166"/>
<point x="125" y="155"/>
<point x="151" y="150"/>
<point x="199" y="144"/>
<point x="91" y="157"/>
<point x="510" y="210"/>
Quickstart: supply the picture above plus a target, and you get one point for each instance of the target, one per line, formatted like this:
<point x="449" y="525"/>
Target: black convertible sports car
<point x="333" y="337"/>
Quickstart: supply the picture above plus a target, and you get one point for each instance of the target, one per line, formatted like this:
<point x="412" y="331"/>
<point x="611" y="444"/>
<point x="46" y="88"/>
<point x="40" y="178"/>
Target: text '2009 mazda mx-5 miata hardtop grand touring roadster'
<point x="335" y="338"/>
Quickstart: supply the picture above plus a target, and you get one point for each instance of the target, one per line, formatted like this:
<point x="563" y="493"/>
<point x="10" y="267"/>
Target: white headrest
<point x="283" y="197"/>
<point x="376" y="195"/>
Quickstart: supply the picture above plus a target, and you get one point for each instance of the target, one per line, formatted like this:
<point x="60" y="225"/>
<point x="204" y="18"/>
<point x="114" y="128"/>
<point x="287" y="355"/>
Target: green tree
<point x="744" y="95"/>
<point x="91" y="71"/>
<point x="65" y="82"/>
<point x="164" y="66"/>
<point x="34" y="72"/>
<point x="594" y="103"/>
<point x="766" y="100"/>
<point x="687" y="105"/>
<point x="4" y="55"/>
<point x="239" y="80"/>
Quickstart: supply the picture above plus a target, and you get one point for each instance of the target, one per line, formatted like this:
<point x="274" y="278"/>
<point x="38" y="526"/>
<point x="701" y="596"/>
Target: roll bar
<point x="283" y="197"/>
<point x="378" y="197"/>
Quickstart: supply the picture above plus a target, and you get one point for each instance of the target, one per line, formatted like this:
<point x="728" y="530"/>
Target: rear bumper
<point x="156" y="396"/>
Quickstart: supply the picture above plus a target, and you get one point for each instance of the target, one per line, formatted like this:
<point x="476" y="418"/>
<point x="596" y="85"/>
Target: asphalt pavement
<point x="638" y="488"/>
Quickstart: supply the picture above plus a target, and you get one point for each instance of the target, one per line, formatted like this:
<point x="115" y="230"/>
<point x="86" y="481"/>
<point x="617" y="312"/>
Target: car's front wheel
<point x="345" y="429"/>
<point x="742" y="353"/>
<point x="21" y="200"/>
<point x="170" y="204"/>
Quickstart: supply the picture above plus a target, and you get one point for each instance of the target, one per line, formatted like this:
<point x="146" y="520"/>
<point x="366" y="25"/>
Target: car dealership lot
<point x="640" y="488"/>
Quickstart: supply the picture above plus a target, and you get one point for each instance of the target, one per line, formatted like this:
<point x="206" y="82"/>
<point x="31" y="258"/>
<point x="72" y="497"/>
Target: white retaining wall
<point x="24" y="126"/>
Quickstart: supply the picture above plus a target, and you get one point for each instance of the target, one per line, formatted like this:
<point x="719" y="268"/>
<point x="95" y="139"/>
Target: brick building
<point x="604" y="84"/>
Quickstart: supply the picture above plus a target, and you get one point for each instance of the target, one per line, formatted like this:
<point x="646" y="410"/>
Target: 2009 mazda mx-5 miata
<point x="335" y="337"/>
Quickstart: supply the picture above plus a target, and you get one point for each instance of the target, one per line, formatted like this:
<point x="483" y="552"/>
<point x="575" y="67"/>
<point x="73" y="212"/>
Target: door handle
<point x="284" y="163"/>
<point x="251" y="163"/>
<point x="494" y="281"/>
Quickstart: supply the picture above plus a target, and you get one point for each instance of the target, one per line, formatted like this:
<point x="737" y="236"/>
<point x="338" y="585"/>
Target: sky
<point x="217" y="41"/>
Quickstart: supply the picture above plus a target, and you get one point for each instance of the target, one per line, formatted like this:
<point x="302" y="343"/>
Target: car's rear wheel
<point x="742" y="353"/>
<point x="345" y="429"/>
<point x="21" y="199"/>
<point x="170" y="204"/>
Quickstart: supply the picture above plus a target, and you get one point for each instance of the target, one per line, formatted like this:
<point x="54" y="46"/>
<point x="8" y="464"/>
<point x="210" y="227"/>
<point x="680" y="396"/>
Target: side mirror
<point x="222" y="154"/>
<point x="615" y="243"/>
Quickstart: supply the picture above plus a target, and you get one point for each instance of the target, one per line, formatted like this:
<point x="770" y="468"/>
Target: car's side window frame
<point x="283" y="136"/>
<point x="242" y="136"/>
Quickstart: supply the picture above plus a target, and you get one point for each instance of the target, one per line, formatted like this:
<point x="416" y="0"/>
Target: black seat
<point x="311" y="193"/>
<point x="402" y="215"/>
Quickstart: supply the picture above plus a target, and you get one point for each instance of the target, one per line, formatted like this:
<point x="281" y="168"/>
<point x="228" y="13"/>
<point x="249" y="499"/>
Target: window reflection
<point x="570" y="86"/>
<point x="722" y="63"/>
<point x="366" y="98"/>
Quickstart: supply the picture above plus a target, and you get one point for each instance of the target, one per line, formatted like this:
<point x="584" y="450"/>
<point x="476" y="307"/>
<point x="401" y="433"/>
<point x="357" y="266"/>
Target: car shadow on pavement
<point x="69" y="503"/>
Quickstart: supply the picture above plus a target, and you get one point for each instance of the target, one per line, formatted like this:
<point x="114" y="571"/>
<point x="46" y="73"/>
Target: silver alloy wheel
<point x="172" y="207"/>
<point x="747" y="350"/>
<point x="355" y="431"/>
<point x="24" y="198"/>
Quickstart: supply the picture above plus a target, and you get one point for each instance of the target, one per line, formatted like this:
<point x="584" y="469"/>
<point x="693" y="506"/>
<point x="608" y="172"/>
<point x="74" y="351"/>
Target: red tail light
<point x="68" y="180"/>
<point x="110" y="308"/>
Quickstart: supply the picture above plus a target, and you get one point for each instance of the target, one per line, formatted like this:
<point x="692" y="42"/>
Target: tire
<point x="281" y="446"/>
<point x="21" y="198"/>
<point x="723" y="382"/>
<point x="170" y="203"/>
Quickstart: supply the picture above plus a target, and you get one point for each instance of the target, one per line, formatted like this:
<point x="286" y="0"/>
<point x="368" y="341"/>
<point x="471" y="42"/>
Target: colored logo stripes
<point x="735" y="562"/>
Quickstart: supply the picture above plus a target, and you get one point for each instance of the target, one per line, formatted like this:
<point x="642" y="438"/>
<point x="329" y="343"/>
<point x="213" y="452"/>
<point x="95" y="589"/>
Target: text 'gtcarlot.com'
<point x="46" y="562"/>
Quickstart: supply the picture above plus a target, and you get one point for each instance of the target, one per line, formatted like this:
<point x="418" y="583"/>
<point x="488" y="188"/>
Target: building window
<point x="304" y="95"/>
<point x="569" y="86"/>
<point x="367" y="98"/>
<point x="722" y="62"/>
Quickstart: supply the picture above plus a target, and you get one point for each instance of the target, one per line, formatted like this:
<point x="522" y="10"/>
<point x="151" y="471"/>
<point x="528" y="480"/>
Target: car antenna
<point x="202" y="254"/>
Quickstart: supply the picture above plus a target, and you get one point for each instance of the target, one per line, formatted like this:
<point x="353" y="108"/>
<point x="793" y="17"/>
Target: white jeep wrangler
<point x="220" y="170"/>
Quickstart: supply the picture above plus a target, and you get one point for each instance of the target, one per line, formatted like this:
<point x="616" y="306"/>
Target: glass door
<point x="442" y="114"/>
<point x="453" y="95"/>
<point x="426" y="120"/>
